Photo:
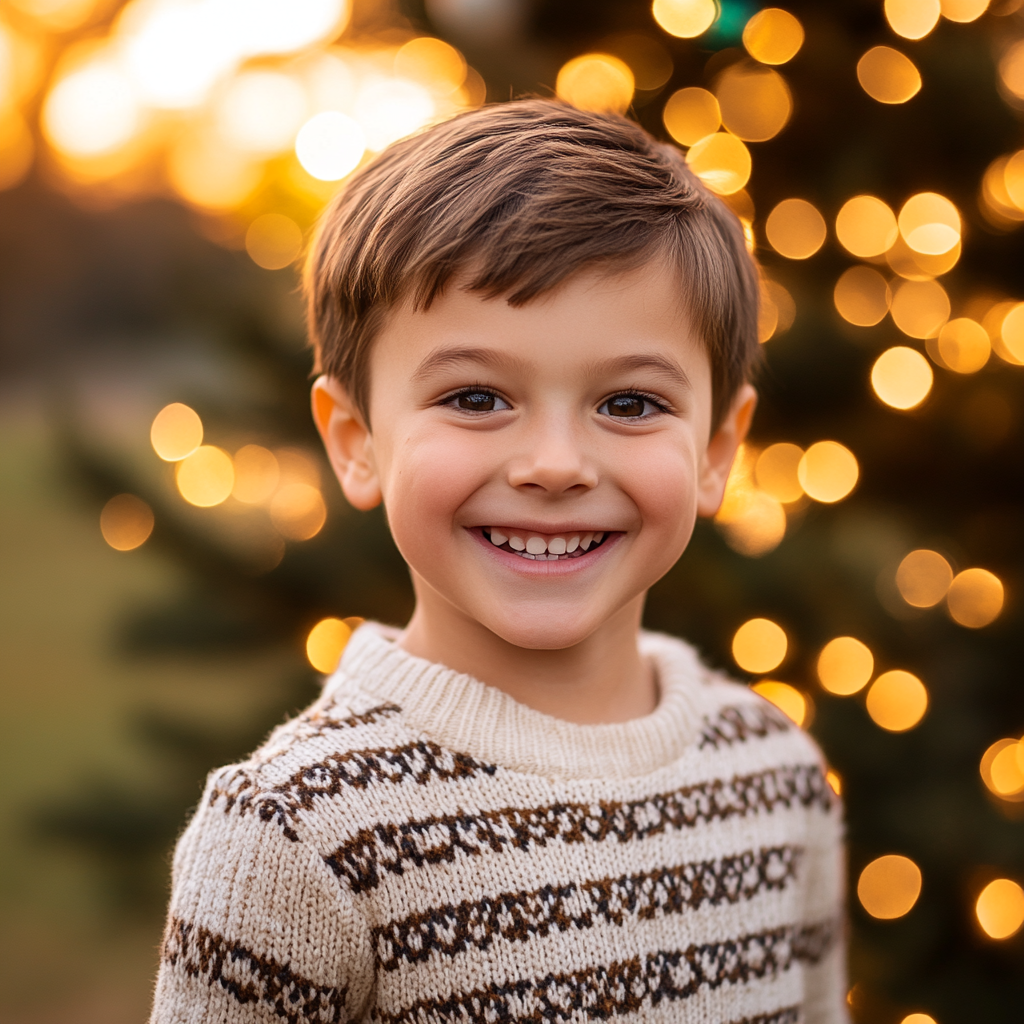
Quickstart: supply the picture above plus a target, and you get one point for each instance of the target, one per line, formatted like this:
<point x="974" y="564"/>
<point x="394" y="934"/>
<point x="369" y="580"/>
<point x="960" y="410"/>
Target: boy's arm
<point x="259" y="929"/>
<point x="825" y="921"/>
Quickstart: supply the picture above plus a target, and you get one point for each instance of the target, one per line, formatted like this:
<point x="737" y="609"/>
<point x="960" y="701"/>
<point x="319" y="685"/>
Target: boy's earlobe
<point x="348" y="443"/>
<point x="722" y="448"/>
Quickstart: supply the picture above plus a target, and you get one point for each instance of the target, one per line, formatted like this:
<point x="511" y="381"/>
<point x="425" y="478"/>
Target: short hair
<point x="513" y="199"/>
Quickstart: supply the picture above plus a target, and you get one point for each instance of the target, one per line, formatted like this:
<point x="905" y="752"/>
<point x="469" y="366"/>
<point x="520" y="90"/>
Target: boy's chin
<point x="543" y="632"/>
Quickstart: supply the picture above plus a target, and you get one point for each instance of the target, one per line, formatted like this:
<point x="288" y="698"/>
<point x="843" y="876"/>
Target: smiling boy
<point x="535" y="330"/>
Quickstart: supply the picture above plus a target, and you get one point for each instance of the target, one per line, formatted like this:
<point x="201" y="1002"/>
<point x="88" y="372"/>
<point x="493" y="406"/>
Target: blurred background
<point x="178" y="566"/>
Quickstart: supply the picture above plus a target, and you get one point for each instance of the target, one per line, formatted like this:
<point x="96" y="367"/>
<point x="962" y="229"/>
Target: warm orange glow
<point x="759" y="645"/>
<point x="776" y="311"/>
<point x="1002" y="768"/>
<point x="1013" y="180"/>
<point x="788" y="699"/>
<point x="721" y="161"/>
<point x="920" y="308"/>
<point x="862" y="296"/>
<point x="298" y="511"/>
<point x="206" y="477"/>
<point x="866" y="226"/>
<point x="126" y="522"/>
<point x="997" y="203"/>
<point x="897" y="701"/>
<point x="930" y="224"/>
<point x="828" y="471"/>
<point x="1011" y="69"/>
<point x="691" y="114"/>
<point x="845" y="666"/>
<point x="297" y="467"/>
<point x="256" y="475"/>
<point x="834" y="781"/>
<point x="596" y="81"/>
<point x="773" y="36"/>
<point x="433" y="62"/>
<point x="177" y="431"/>
<point x="963" y="11"/>
<point x="260" y="111"/>
<point x="752" y="522"/>
<point x="325" y="643"/>
<point x="273" y="241"/>
<point x="888" y="76"/>
<point x="964" y="345"/>
<point x="1000" y="908"/>
<point x="916" y="266"/>
<point x="901" y="377"/>
<point x="755" y="101"/>
<point x="917" y="1018"/>
<point x="975" y="598"/>
<point x="1011" y="331"/>
<point x="17" y="148"/>
<point x="912" y="19"/>
<point x="211" y="175"/>
<point x="685" y="19"/>
<point x="795" y="229"/>
<point x="775" y="471"/>
<point x="330" y="145"/>
<point x="923" y="578"/>
<point x="889" y="886"/>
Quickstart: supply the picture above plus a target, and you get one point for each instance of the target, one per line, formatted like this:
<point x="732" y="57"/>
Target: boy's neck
<point x="602" y="680"/>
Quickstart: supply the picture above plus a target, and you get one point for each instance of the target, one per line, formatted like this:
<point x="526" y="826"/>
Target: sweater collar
<point x="468" y="716"/>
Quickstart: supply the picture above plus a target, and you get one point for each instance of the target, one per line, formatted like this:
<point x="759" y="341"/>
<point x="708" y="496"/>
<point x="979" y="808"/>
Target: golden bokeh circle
<point x="759" y="645"/>
<point x="897" y="701"/>
<point x="975" y="598"/>
<point x="889" y="886"/>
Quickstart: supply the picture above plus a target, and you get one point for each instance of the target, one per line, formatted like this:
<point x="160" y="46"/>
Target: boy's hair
<point x="513" y="199"/>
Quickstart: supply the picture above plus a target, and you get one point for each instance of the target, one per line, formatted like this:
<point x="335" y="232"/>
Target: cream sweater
<point x="419" y="847"/>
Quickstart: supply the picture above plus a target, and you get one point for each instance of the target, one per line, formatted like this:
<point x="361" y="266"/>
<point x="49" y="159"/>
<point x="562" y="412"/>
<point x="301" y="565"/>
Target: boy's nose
<point x="552" y="460"/>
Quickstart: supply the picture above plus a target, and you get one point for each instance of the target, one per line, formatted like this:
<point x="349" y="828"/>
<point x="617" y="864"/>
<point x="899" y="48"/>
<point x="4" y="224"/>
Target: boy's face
<point x="586" y="412"/>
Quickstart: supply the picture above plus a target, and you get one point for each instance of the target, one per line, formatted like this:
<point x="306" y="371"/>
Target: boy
<point x="534" y="329"/>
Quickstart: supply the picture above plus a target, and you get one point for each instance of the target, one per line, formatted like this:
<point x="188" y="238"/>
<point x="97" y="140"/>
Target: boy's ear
<point x="348" y="443"/>
<point x="721" y="450"/>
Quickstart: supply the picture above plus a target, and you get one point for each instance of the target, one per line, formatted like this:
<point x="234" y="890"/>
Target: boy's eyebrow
<point x="442" y="358"/>
<point x="660" y="366"/>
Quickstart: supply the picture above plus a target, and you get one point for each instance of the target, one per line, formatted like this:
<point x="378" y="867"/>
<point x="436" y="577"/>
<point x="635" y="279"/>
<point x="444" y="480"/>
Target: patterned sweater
<point x="419" y="847"/>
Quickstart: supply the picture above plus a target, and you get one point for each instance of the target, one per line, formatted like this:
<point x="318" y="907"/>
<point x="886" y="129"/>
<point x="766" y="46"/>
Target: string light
<point x="788" y="699"/>
<point x="828" y="471"/>
<point x="795" y="229"/>
<point x="964" y="345"/>
<point x="721" y="161"/>
<point x="866" y="226"/>
<point x="685" y="19"/>
<point x="273" y="241"/>
<point x="888" y="76"/>
<point x="975" y="598"/>
<point x="897" y="701"/>
<point x="775" y="471"/>
<point x="901" y="377"/>
<point x="759" y="645"/>
<point x="126" y="522"/>
<point x="206" y="477"/>
<point x="912" y="19"/>
<point x="773" y="36"/>
<point x="923" y="578"/>
<point x="176" y="432"/>
<point x="691" y="114"/>
<point x="596" y="81"/>
<point x="325" y="643"/>
<point x="889" y="886"/>
<point x="1002" y="768"/>
<point x="845" y="666"/>
<point x="756" y="103"/>
<point x="257" y="474"/>
<point x="862" y="296"/>
<point x="1000" y="908"/>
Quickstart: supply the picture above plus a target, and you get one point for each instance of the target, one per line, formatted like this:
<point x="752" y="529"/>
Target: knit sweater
<point x="418" y="846"/>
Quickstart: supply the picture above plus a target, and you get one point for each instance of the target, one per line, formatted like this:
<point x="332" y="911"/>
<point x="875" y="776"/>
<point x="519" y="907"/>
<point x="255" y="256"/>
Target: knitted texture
<point x="419" y="847"/>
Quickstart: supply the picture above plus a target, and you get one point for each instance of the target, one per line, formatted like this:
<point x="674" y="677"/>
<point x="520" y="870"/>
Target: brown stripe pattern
<point x="737" y="723"/>
<point x="627" y="986"/>
<point x="523" y="916"/>
<point x="787" y="1015"/>
<point x="413" y="763"/>
<point x="248" y="977"/>
<point x="438" y="839"/>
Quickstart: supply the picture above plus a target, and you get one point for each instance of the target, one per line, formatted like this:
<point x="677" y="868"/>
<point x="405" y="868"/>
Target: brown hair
<point x="518" y="196"/>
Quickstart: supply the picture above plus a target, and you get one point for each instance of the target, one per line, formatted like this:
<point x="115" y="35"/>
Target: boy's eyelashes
<point x="623" y="405"/>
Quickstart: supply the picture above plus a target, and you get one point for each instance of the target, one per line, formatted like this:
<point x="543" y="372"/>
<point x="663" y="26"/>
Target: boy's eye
<point x="480" y="401"/>
<point x="629" y="406"/>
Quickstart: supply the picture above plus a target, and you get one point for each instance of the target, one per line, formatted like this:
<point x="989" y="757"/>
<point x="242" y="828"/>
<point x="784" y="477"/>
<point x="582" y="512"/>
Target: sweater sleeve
<point x="824" y="924"/>
<point x="259" y="929"/>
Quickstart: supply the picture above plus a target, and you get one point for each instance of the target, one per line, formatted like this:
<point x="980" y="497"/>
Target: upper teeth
<point x="535" y="545"/>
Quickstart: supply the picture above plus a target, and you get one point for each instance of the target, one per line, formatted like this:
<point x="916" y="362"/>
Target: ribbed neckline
<point x="464" y="714"/>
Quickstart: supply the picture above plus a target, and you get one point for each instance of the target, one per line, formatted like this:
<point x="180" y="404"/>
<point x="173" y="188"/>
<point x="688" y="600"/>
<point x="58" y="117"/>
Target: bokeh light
<point x="1011" y="331"/>
<point x="596" y="81"/>
<point x="923" y="578"/>
<point x="256" y="474"/>
<point x="912" y="19"/>
<point x="209" y="174"/>
<point x="897" y="700"/>
<point x="917" y="266"/>
<point x="759" y="645"/>
<point x="889" y="886"/>
<point x="828" y="471"/>
<point x="691" y="114"/>
<point x="975" y="598"/>
<point x="755" y="101"/>
<point x="260" y="111"/>
<point x="788" y="699"/>
<point x="1002" y="190"/>
<point x="930" y="223"/>
<point x="751" y="520"/>
<point x="964" y="345"/>
<point x="685" y="19"/>
<point x="325" y="643"/>
<point x="775" y="471"/>
<point x="330" y="145"/>
<point x="177" y="431"/>
<point x="432" y="62"/>
<point x="866" y="226"/>
<point x="1000" y="908"/>
<point x="126" y="522"/>
<point x="834" y="781"/>
<point x="1011" y="69"/>
<point x="920" y="308"/>
<point x="721" y="161"/>
<point x="795" y="229"/>
<point x="17" y="147"/>
<point x="888" y="76"/>
<point x="647" y="58"/>
<point x="901" y="377"/>
<point x="776" y="311"/>
<point x="390" y="109"/>
<point x="773" y="36"/>
<point x="963" y="11"/>
<point x="298" y="511"/>
<point x="845" y="666"/>
<point x="1002" y="768"/>
<point x="917" y="1018"/>
<point x="273" y="241"/>
<point x="206" y="477"/>
<point x="862" y="296"/>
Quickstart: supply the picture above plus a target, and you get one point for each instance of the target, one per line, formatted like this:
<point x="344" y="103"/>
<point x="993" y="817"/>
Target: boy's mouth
<point x="555" y="547"/>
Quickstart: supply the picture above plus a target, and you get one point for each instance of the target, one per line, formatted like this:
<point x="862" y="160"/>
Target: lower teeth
<point x="547" y="557"/>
